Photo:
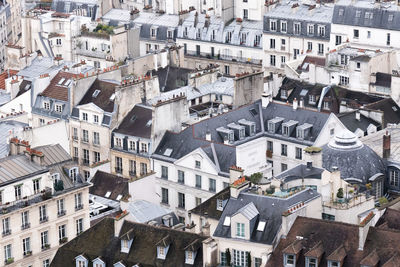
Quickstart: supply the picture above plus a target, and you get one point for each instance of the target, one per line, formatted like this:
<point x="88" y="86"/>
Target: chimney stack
<point x="208" y="135"/>
<point x="358" y="115"/>
<point x="301" y="103"/>
<point x="294" y="104"/>
<point x="386" y="145"/>
<point x="265" y="99"/>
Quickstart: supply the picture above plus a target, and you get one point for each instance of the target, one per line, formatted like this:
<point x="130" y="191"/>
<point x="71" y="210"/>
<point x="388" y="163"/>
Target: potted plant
<point x="9" y="260"/>
<point x="340" y="195"/>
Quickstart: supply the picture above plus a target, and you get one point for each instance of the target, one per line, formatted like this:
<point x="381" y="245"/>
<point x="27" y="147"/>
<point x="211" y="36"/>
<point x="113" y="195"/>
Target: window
<point x="296" y="52"/>
<point x="60" y="207"/>
<point x="245" y="14"/>
<point x="78" y="201"/>
<point x="46" y="105"/>
<point x="118" y="142"/>
<point x="338" y="40"/>
<point x="270" y="146"/>
<point x="43" y="213"/>
<point x="58" y="41"/>
<point x="143" y="168"/>
<point x="6" y="226"/>
<point x="198" y="181"/>
<point x="228" y="37"/>
<point x="223" y="260"/>
<point x="309" y="46"/>
<point x="59" y="108"/>
<point x="343" y="80"/>
<point x="310" y="29"/>
<point x="243" y="37"/>
<point x="311" y="262"/>
<point x="358" y="65"/>
<point x="62" y="232"/>
<point x="198" y="201"/>
<point x="164" y="195"/>
<point x="26" y="246"/>
<point x="311" y="99"/>
<point x="181" y="177"/>
<point x="132" y="145"/>
<point x="285" y="130"/>
<point x="227" y="69"/>
<point x="144" y="147"/>
<point x="84" y="116"/>
<point x="197" y="164"/>
<point x="75" y="133"/>
<point x="283" y="26"/>
<point x="181" y="200"/>
<point x="344" y="60"/>
<point x="44" y="238"/>
<point x="296" y="28"/>
<point x="390" y="18"/>
<point x="85" y="156"/>
<point x="79" y="226"/>
<point x="321" y="31"/>
<point x="86" y="175"/>
<point x="73" y="173"/>
<point x="356" y="34"/>
<point x="272" y="25"/>
<point x="325" y="105"/>
<point x="272" y="43"/>
<point x="212" y="185"/>
<point x="25" y="219"/>
<point x="320" y="49"/>
<point x="118" y="165"/>
<point x="164" y="172"/>
<point x="333" y="264"/>
<point x="42" y="121"/>
<point x="170" y="34"/>
<point x="239" y="258"/>
<point x="272" y="60"/>
<point x="153" y="32"/>
<point x="7" y="252"/>
<point x="257" y="40"/>
<point x="394" y="178"/>
<point x="283" y="150"/>
<point x="18" y="191"/>
<point x="85" y="136"/>
<point x="388" y="39"/>
<point x="368" y="34"/>
<point x="299" y="153"/>
<point x="46" y="263"/>
<point x="332" y="131"/>
<point x="289" y="259"/>
<point x="378" y="188"/>
<point x="96" y="156"/>
<point x="76" y="154"/>
<point x="239" y="229"/>
<point x="96" y="138"/>
<point x="36" y="186"/>
<point x="283" y="60"/>
<point x="132" y="168"/>
<point x="283" y="167"/>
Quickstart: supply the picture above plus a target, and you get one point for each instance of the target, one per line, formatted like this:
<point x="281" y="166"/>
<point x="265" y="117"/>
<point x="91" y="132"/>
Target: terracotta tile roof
<point x="5" y="75"/>
<point x="57" y="88"/>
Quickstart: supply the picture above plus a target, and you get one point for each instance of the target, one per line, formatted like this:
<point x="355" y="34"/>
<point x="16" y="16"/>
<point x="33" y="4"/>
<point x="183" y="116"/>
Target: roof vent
<point x="96" y="93"/>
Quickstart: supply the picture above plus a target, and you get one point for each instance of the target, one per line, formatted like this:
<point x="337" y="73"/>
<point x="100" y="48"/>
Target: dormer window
<point x="311" y="262"/>
<point x="228" y="37"/>
<point x="241" y="133"/>
<point x="240" y="230"/>
<point x="289" y="260"/>
<point x="189" y="257"/>
<point x="231" y="137"/>
<point x="283" y="94"/>
<point x="59" y="108"/>
<point x="125" y="245"/>
<point x="311" y="99"/>
<point x="220" y="204"/>
<point x="271" y="127"/>
<point x="272" y="25"/>
<point x="153" y="32"/>
<point x="84" y="116"/>
<point x="326" y="105"/>
<point x="285" y="130"/>
<point x="81" y="261"/>
<point x="118" y="142"/>
<point x="170" y="34"/>
<point x="243" y="37"/>
<point x="98" y="263"/>
<point x="46" y="105"/>
<point x="132" y="145"/>
<point x="197" y="164"/>
<point x="333" y="264"/>
<point x="96" y="118"/>
<point x="73" y="174"/>
<point x="161" y="252"/>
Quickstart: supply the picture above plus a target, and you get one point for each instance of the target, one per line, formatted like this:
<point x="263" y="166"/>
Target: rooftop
<point x="137" y="122"/>
<point x="102" y="98"/>
<point x="58" y="87"/>
<point x="154" y="19"/>
<point x="109" y="186"/>
<point x="299" y="172"/>
<point x="143" y="211"/>
<point x="209" y="207"/>
<point x="7" y="129"/>
<point x="352" y="123"/>
<point x="374" y="141"/>
<point x="99" y="241"/>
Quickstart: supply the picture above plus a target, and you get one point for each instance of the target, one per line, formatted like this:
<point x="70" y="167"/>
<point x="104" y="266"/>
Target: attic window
<point x="108" y="194"/>
<point x="46" y="105"/>
<point x="300" y="133"/>
<point x="118" y="197"/>
<point x="96" y="93"/>
<point x="59" y="108"/>
<point x="333" y="263"/>
<point x="289" y="260"/>
<point x="261" y="226"/>
<point x="227" y="221"/>
<point x="311" y="99"/>
<point x="390" y="18"/>
<point x="283" y="94"/>
<point x="168" y="152"/>
<point x="311" y="262"/>
<point x="220" y="205"/>
<point x="341" y="12"/>
<point x="60" y="82"/>
<point x="271" y="127"/>
<point x="253" y="112"/>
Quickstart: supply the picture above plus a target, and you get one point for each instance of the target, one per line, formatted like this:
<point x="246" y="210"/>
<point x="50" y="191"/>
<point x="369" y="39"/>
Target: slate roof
<point x="53" y="154"/>
<point x="163" y="23"/>
<point x="24" y="87"/>
<point x="333" y="235"/>
<point x="383" y="79"/>
<point x="40" y="66"/>
<point x="143" y="211"/>
<point x="374" y="141"/>
<point x="349" y="120"/>
<point x="390" y="219"/>
<point x="170" y="77"/>
<point x="136" y="122"/>
<point x="102" y="100"/>
<point x="346" y="13"/>
<point x="209" y="207"/>
<point x="99" y="241"/>
<point x="299" y="172"/>
<point x="270" y="210"/>
<point x="106" y="182"/>
<point x="391" y="111"/>
<point x="115" y="14"/>
<point x="68" y="6"/>
<point x="58" y="87"/>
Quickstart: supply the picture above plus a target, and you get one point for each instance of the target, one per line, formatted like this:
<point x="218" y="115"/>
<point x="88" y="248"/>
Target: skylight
<point x="119" y="197"/>
<point x="112" y="97"/>
<point x="168" y="152"/>
<point x="149" y="123"/>
<point x="261" y="226"/>
<point x="96" y="93"/>
<point x="303" y="92"/>
<point x="61" y="81"/>
<point x="67" y="82"/>
<point x="394" y="108"/>
<point x="253" y="112"/>
<point x="108" y="194"/>
<point x="227" y="221"/>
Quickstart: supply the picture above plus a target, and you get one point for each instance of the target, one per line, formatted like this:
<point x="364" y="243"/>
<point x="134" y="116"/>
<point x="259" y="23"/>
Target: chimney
<point x="386" y="145"/>
<point x="208" y="136"/>
<point x="265" y="99"/>
<point x="134" y="14"/>
<point x="301" y="103"/>
<point x="18" y="147"/>
<point x="363" y="229"/>
<point x="238" y="186"/>
<point x="235" y="173"/>
<point x="35" y="156"/>
<point x="226" y="140"/>
<point x="118" y="222"/>
<point x="309" y="165"/>
<point x="313" y="155"/>
<point x="358" y="115"/>
<point x="294" y="104"/>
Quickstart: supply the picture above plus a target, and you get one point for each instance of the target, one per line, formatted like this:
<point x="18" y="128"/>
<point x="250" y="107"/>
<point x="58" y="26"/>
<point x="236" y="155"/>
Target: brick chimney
<point x="386" y="145"/>
<point x="35" y="156"/>
<point x="17" y="146"/>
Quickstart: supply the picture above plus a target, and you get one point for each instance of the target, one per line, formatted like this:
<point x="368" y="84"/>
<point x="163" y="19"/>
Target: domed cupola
<point x="356" y="162"/>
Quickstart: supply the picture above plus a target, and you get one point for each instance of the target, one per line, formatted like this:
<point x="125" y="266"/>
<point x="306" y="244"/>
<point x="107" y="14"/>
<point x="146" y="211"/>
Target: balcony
<point x="118" y="170"/>
<point x="61" y="213"/>
<point x="85" y="141"/>
<point x="269" y="153"/>
<point x="224" y="57"/>
<point x="75" y="138"/>
<point x="26" y="201"/>
<point x="6" y="232"/>
<point x="63" y="240"/>
<point x="45" y="247"/>
<point x="25" y="226"/>
<point x="44" y="219"/>
<point x="132" y="173"/>
<point x="92" y="53"/>
<point x="85" y="162"/>
<point x="9" y="261"/>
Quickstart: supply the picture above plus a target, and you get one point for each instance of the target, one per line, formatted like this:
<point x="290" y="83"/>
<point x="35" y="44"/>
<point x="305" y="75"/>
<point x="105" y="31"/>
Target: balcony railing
<point x="26" y="201"/>
<point x="85" y="162"/>
<point x="63" y="240"/>
<point x="6" y="232"/>
<point x="61" y="213"/>
<point x="224" y="57"/>
<point x="78" y="207"/>
<point x="25" y="226"/>
<point x="44" y="219"/>
<point x="118" y="170"/>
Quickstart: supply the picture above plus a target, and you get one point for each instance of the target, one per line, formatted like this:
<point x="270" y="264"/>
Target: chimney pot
<point x="294" y="104"/>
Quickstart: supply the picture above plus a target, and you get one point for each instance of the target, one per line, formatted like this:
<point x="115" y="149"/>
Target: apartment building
<point x="91" y="122"/>
<point x="44" y="203"/>
<point x="14" y="23"/>
<point x="4" y="29"/>
<point x="236" y="47"/>
<point x="373" y="24"/>
<point x="292" y="29"/>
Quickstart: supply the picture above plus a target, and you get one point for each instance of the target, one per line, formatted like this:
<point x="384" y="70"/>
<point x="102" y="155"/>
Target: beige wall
<point x="126" y="157"/>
